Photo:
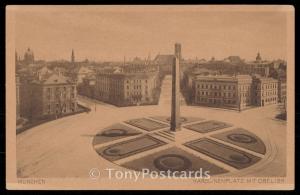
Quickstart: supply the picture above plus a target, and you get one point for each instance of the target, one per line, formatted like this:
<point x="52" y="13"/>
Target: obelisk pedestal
<point x="175" y="107"/>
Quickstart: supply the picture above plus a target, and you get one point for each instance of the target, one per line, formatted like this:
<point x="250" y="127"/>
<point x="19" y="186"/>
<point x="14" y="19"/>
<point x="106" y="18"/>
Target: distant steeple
<point x="28" y="57"/>
<point x="16" y="57"/>
<point x="178" y="50"/>
<point x="258" y="57"/>
<point x="72" y="56"/>
<point x="149" y="58"/>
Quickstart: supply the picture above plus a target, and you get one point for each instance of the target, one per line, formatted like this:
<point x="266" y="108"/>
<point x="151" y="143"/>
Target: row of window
<point x="136" y="81"/>
<point x="58" y="89"/>
<point x="61" y="108"/>
<point x="203" y="86"/>
<point x="215" y="101"/>
<point x="266" y="94"/>
<point x="270" y="86"/>
<point x="60" y="95"/>
<point x="136" y="93"/>
<point x="216" y="94"/>
<point x="267" y="86"/>
<point x="273" y="99"/>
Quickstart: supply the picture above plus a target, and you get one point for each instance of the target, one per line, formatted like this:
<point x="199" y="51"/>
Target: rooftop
<point x="223" y="77"/>
<point x="53" y="79"/>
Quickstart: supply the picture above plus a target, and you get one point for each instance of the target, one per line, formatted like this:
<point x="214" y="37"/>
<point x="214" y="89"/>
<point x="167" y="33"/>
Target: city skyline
<point x="104" y="33"/>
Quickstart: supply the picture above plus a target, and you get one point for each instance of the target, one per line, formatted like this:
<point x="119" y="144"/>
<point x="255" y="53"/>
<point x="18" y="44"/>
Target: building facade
<point x="53" y="96"/>
<point x="223" y="91"/>
<point x="124" y="89"/>
<point x="237" y="92"/>
<point x="282" y="90"/>
<point x="87" y="87"/>
<point x="265" y="91"/>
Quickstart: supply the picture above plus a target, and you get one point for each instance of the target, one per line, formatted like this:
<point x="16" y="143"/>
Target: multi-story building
<point x="80" y="72"/>
<point x="54" y="95"/>
<point x="282" y="90"/>
<point x="265" y="91"/>
<point x="87" y="87"/>
<point x="188" y="79"/>
<point x="123" y="89"/>
<point x="259" y="66"/>
<point x="223" y="91"/>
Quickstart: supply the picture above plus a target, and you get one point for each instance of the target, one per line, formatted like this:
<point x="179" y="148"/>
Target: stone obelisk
<point x="175" y="108"/>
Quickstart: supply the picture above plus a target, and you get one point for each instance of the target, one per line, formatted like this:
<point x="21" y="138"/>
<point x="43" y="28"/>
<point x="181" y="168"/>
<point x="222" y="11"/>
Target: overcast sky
<point x="109" y="33"/>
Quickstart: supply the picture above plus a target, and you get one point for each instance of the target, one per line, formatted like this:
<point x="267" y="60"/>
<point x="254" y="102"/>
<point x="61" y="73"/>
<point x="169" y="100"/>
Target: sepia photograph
<point x="115" y="97"/>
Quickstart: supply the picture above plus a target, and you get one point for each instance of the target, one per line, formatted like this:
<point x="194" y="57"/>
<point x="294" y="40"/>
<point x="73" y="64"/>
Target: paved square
<point x="207" y="126"/>
<point x="173" y="159"/>
<point x="146" y="124"/>
<point x="130" y="147"/>
<point x="183" y="120"/>
<point x="114" y="132"/>
<point x="242" y="138"/>
<point x="226" y="154"/>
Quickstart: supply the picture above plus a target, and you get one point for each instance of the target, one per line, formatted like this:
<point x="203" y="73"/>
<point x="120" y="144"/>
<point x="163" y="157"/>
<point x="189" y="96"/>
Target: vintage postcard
<point x="153" y="97"/>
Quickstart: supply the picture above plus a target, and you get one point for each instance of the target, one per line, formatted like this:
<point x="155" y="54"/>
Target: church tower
<point x="72" y="57"/>
<point x="16" y="58"/>
<point x="28" y="57"/>
<point x="178" y="51"/>
<point x="258" y="57"/>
